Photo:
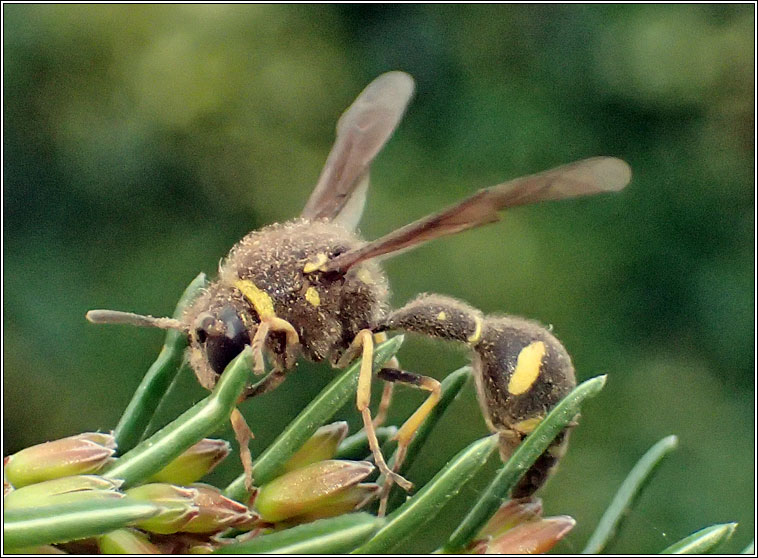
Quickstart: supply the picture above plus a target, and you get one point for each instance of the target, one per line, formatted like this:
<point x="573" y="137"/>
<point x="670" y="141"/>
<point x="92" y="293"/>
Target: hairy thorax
<point x="277" y="269"/>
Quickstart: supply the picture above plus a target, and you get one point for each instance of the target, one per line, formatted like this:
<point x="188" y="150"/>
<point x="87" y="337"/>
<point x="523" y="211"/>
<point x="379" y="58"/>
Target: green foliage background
<point x="142" y="141"/>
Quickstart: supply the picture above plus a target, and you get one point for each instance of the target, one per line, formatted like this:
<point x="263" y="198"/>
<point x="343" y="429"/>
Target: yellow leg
<point x="243" y="434"/>
<point x="364" y="340"/>
<point x="384" y="404"/>
<point x="267" y="325"/>
<point x="409" y="428"/>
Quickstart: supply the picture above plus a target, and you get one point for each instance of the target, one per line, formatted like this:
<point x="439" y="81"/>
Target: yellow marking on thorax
<point x="364" y="276"/>
<point x="316" y="265"/>
<point x="260" y="300"/>
<point x="527" y="426"/>
<point x="312" y="296"/>
<point x="474" y="337"/>
<point x="442" y="316"/>
<point x="528" y="367"/>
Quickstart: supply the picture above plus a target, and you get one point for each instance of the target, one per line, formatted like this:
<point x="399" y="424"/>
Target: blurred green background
<point x="142" y="141"/>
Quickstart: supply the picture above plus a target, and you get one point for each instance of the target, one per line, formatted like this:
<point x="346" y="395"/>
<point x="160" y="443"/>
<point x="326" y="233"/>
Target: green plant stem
<point x="425" y="505"/>
<point x="136" y="418"/>
<point x="702" y="541"/>
<point x="523" y="458"/>
<point x="25" y="527"/>
<point x="356" y="446"/>
<point x="326" y="536"/>
<point x="201" y="420"/>
<point x="321" y="409"/>
<point x="629" y="490"/>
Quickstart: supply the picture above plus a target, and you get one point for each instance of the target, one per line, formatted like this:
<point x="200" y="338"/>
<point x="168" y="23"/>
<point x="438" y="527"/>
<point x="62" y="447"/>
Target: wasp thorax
<point x="274" y="276"/>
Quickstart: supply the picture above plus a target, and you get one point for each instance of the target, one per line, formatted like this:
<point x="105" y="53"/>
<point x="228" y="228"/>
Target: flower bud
<point x="195" y="463"/>
<point x="62" y="491"/>
<point x="177" y="506"/>
<point x="306" y="490"/>
<point x="344" y="501"/>
<point x="126" y="541"/>
<point x="511" y="513"/>
<point x="532" y="537"/>
<point x="322" y="445"/>
<point x="75" y="455"/>
<point x="217" y="512"/>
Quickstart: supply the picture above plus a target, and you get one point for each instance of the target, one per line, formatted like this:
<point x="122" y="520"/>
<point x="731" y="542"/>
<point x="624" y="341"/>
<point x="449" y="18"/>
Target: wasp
<point x="312" y="287"/>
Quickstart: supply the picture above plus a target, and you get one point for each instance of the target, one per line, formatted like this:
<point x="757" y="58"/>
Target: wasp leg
<point x="268" y="325"/>
<point x="243" y="434"/>
<point x="365" y="341"/>
<point x="384" y="403"/>
<point x="411" y="425"/>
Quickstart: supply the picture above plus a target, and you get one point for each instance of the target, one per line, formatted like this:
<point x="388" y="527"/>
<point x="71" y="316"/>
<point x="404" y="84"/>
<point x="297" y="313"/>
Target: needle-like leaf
<point x="629" y="490"/>
<point x="270" y="463"/>
<point x="702" y="541"/>
<point x="523" y="458"/>
<point x="154" y="386"/>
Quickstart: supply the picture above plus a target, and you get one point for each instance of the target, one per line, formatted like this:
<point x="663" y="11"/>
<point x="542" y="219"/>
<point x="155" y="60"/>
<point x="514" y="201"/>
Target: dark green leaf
<point x="201" y="420"/>
<point x="155" y="384"/>
<point x="318" y="411"/>
<point x="523" y="458"/>
<point x="425" y="505"/>
<point x="450" y="388"/>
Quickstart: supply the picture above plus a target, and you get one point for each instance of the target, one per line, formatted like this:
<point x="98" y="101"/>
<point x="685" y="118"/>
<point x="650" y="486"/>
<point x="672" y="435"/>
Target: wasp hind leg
<point x="407" y="431"/>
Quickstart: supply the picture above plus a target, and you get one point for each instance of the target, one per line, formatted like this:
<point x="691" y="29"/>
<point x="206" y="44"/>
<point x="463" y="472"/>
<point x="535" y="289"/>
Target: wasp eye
<point x="225" y="337"/>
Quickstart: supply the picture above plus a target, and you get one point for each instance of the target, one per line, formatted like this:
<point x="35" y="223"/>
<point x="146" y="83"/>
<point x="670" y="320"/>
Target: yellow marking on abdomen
<point x="260" y="300"/>
<point x="312" y="296"/>
<point x="442" y="316"/>
<point x="527" y="426"/>
<point x="527" y="369"/>
<point x="474" y="337"/>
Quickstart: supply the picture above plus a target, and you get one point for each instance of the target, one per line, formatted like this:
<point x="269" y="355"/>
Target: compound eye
<point x="222" y="346"/>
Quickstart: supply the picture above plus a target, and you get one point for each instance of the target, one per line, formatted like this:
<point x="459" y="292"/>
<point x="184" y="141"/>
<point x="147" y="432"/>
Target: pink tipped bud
<point x="305" y="490"/>
<point x="177" y="506"/>
<point x="65" y="490"/>
<point x="126" y="541"/>
<point x="533" y="537"/>
<point x="510" y="514"/>
<point x="75" y="455"/>
<point x="195" y="463"/>
<point x="322" y="445"/>
<point x="216" y="512"/>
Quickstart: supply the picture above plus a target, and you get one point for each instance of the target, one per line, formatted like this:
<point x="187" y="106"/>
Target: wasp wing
<point x="582" y="178"/>
<point x="362" y="131"/>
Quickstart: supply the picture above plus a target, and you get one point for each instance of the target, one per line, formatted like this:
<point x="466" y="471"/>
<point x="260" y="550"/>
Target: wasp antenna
<point x="116" y="317"/>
